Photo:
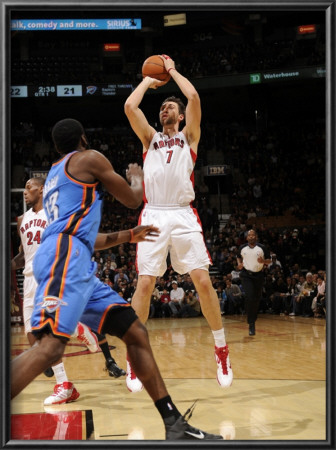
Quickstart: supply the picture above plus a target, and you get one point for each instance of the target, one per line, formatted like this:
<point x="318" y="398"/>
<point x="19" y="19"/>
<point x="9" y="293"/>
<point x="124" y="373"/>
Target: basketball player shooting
<point x="169" y="158"/>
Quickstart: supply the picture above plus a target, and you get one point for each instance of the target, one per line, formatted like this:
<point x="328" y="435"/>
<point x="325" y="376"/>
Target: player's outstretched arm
<point x="192" y="128"/>
<point x="136" y="117"/>
<point x="138" y="234"/>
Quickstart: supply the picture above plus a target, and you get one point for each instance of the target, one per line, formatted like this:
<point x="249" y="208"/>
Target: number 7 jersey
<point x="169" y="171"/>
<point x="73" y="207"/>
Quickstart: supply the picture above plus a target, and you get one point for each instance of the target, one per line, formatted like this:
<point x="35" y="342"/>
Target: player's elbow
<point x="129" y="107"/>
<point x="134" y="203"/>
<point x="194" y="98"/>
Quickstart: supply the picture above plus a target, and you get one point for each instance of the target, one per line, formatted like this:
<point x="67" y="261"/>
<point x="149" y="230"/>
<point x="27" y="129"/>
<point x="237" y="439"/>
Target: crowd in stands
<point x="197" y="62"/>
<point x="194" y="60"/>
<point x="290" y="161"/>
<point x="293" y="284"/>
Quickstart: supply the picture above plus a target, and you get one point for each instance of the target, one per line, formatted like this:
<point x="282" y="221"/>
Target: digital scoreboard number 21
<point x="74" y="90"/>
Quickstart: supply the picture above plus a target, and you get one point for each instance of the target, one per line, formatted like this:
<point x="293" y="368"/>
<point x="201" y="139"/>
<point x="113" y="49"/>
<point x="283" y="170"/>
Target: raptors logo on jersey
<point x="31" y="229"/>
<point x="169" y="171"/>
<point x="167" y="142"/>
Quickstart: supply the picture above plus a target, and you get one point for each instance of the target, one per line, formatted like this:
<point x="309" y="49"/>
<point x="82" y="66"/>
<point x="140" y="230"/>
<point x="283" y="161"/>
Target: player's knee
<point x="136" y="334"/>
<point x="118" y="321"/>
<point x="52" y="349"/>
<point x="145" y="285"/>
<point x="204" y="285"/>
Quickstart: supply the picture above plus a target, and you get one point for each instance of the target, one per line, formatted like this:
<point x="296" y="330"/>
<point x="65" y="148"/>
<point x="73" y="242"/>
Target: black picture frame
<point x="7" y="6"/>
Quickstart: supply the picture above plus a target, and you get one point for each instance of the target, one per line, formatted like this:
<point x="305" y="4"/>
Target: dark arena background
<point x="261" y="77"/>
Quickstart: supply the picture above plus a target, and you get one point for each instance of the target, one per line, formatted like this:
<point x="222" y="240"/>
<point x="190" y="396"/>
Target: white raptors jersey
<point x="32" y="226"/>
<point x="169" y="171"/>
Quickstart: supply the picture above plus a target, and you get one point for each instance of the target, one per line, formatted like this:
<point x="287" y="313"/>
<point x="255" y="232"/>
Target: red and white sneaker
<point x="132" y="382"/>
<point x="63" y="393"/>
<point x="224" y="371"/>
<point x="87" y="337"/>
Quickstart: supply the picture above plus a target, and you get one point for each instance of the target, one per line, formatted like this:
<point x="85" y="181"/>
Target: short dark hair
<point x="66" y="135"/>
<point x="38" y="180"/>
<point x="253" y="230"/>
<point x="180" y="104"/>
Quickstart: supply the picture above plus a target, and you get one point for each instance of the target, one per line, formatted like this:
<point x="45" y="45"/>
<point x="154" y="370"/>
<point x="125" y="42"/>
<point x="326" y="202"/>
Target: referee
<point x="251" y="258"/>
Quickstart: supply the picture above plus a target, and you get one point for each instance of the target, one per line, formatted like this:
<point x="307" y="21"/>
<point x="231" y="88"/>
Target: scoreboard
<point x="110" y="89"/>
<point x="71" y="90"/>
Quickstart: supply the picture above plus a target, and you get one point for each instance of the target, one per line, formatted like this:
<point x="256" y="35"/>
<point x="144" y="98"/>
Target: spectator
<point x="99" y="272"/>
<point x="161" y="284"/>
<point x="318" y="304"/>
<point x="235" y="298"/>
<point x="98" y="257"/>
<point x="188" y="285"/>
<point x="121" y="275"/>
<point x="297" y="306"/>
<point x="222" y="299"/>
<point x="107" y="281"/>
<point x="235" y="274"/>
<point x="274" y="263"/>
<point x="155" y="304"/>
<point x="307" y="293"/>
<point x="108" y="272"/>
<point x="131" y="289"/>
<point x="266" y="296"/>
<point x="126" y="289"/>
<point x="120" y="259"/>
<point x="176" y="297"/>
<point x="165" y="299"/>
<point x="190" y="306"/>
<point x="286" y="301"/>
<point x="295" y="246"/>
<point x="280" y="291"/>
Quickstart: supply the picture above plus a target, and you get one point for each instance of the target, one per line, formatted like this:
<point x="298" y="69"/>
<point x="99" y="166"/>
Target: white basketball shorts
<point x="180" y="234"/>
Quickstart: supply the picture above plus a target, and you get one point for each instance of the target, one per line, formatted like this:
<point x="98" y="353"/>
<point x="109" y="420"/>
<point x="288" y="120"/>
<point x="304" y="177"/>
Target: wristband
<point x="132" y="235"/>
<point x="171" y="68"/>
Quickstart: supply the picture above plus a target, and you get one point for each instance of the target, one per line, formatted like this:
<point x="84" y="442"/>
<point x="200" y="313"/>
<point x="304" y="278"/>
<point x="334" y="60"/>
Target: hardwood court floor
<point x="278" y="392"/>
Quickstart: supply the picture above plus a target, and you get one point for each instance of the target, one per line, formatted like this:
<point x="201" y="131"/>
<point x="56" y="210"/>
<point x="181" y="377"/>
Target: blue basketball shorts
<point x="68" y="290"/>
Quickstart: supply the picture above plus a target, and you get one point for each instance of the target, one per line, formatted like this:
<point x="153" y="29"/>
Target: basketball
<point x="154" y="67"/>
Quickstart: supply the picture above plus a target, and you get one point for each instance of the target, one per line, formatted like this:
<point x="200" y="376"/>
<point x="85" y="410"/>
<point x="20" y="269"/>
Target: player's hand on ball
<point x="134" y="171"/>
<point x="154" y="83"/>
<point x="168" y="62"/>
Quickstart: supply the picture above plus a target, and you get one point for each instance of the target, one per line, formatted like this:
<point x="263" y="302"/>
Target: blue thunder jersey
<point x="67" y="284"/>
<point x="72" y="207"/>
